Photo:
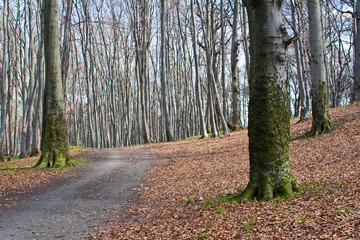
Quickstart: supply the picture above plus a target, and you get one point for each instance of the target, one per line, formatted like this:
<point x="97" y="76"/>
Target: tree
<point x="321" y="119"/>
<point x="168" y="128"/>
<point x="54" y="140"/>
<point x="269" y="116"/>
<point x="356" y="93"/>
<point x="4" y="67"/>
<point x="304" y="96"/>
<point x="235" y="118"/>
<point x="197" y="78"/>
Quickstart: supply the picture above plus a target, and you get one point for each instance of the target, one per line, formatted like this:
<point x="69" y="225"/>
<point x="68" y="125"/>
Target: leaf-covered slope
<point x="179" y="199"/>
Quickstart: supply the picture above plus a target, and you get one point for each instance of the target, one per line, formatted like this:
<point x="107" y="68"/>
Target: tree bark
<point x="168" y="128"/>
<point x="203" y="130"/>
<point x="54" y="141"/>
<point x="356" y="91"/>
<point x="235" y="118"/>
<point x="4" y="69"/>
<point x="321" y="119"/>
<point x="269" y="116"/>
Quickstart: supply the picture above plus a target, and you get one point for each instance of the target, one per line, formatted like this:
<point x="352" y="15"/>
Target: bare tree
<point x="4" y="69"/>
<point x="168" y="128"/>
<point x="321" y="118"/>
<point x="236" y="109"/>
<point x="356" y="91"/>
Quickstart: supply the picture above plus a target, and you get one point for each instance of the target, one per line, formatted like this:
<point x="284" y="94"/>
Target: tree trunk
<point x="302" y="81"/>
<point x="235" y="118"/>
<point x="269" y="116"/>
<point x="168" y="128"/>
<point x="54" y="141"/>
<point x="356" y="91"/>
<point x="4" y="69"/>
<point x="321" y="118"/>
<point x="203" y="130"/>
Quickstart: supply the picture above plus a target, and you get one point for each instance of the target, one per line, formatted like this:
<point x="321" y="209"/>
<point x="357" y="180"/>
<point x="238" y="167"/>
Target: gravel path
<point x="78" y="206"/>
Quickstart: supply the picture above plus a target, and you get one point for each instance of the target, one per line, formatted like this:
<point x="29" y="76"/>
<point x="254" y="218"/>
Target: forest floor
<point x="177" y="198"/>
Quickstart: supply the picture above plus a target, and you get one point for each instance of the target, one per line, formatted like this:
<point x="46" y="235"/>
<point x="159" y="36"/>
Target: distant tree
<point x="356" y="91"/>
<point x="197" y="78"/>
<point x="235" y="118"/>
<point x="168" y="128"/>
<point x="54" y="141"/>
<point x="4" y="69"/>
<point x="269" y="116"/>
<point x="321" y="119"/>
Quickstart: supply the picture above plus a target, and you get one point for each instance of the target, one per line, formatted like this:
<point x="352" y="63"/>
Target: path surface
<point x="74" y="208"/>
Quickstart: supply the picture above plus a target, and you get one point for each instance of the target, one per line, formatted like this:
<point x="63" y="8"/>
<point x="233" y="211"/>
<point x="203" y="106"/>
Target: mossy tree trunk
<point x="269" y="117"/>
<point x="54" y="141"/>
<point x="321" y="118"/>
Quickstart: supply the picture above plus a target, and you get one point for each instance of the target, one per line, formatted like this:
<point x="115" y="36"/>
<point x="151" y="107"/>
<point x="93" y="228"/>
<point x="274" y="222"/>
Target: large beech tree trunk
<point x="269" y="117"/>
<point x="54" y="141"/>
<point x="321" y="118"/>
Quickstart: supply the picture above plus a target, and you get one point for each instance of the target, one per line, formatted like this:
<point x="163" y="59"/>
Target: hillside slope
<point x="179" y="198"/>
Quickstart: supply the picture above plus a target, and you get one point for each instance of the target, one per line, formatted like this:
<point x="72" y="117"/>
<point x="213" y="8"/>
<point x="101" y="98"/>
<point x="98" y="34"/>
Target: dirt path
<point x="71" y="209"/>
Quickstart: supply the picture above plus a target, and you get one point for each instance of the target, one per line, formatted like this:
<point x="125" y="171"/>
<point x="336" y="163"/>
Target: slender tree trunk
<point x="168" y="128"/>
<point x="321" y="118"/>
<point x="203" y="130"/>
<point x="236" y="103"/>
<point x="356" y="91"/>
<point x="4" y="69"/>
<point x="35" y="147"/>
<point x="54" y="141"/>
<point x="209" y="63"/>
<point x="303" y="108"/>
<point x="269" y="117"/>
<point x="223" y="80"/>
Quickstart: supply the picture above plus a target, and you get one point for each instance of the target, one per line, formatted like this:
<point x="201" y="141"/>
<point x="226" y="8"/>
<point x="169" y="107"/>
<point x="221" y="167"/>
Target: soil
<point x="77" y="206"/>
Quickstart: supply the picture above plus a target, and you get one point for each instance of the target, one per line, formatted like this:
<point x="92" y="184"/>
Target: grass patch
<point x="250" y="223"/>
<point x="78" y="148"/>
<point x="202" y="235"/>
<point x="74" y="163"/>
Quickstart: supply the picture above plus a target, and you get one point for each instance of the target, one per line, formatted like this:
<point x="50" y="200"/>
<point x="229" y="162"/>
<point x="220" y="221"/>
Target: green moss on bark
<point x="321" y="119"/>
<point x="54" y="144"/>
<point x="269" y="116"/>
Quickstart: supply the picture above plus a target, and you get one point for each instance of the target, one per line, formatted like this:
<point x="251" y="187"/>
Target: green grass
<point x="74" y="163"/>
<point x="250" y="223"/>
<point x="202" y="235"/>
<point x="189" y="201"/>
<point x="80" y="148"/>
<point x="199" y="136"/>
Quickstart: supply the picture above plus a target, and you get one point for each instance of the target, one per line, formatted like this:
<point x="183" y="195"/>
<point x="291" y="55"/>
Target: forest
<point x="168" y="119"/>
<point x="133" y="72"/>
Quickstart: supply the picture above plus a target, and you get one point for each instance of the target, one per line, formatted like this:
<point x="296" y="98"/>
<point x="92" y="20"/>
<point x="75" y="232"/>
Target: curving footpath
<point x="78" y="206"/>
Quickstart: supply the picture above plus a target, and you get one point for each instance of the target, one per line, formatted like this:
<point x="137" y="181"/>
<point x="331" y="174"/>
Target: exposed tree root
<point x="266" y="191"/>
<point x="321" y="128"/>
<point x="53" y="160"/>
